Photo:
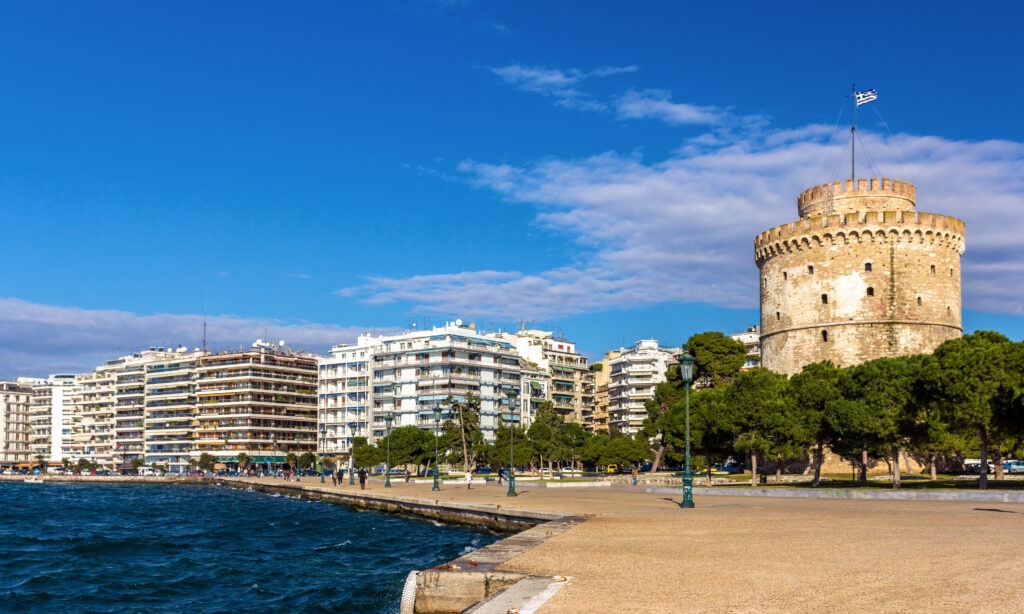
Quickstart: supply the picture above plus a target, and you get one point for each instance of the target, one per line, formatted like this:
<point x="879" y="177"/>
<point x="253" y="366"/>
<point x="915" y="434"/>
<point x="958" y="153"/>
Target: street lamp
<point x="437" y="425"/>
<point x="511" y="443"/>
<point x="351" y="455"/>
<point x="387" y="464"/>
<point x="686" y="373"/>
<point x="323" y="446"/>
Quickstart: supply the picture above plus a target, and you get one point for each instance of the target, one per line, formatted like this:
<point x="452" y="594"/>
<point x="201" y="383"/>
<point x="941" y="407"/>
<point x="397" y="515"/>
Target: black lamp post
<point x="437" y="426"/>
<point x="387" y="465"/>
<point x="511" y="443"/>
<point x="351" y="455"/>
<point x="686" y="374"/>
<point x="323" y="446"/>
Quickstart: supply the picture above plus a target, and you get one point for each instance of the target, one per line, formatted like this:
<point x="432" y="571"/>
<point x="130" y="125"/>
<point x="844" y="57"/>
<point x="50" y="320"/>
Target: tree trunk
<point x="753" y="469"/>
<point x="931" y="467"/>
<point x="658" y="453"/>
<point x="863" y="466"/>
<point x="997" y="460"/>
<point x="895" y="468"/>
<point x="819" y="459"/>
<point x="707" y="457"/>
<point x="778" y="468"/>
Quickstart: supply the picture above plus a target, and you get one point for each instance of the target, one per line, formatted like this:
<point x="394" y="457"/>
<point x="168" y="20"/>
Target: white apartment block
<point x="169" y="407"/>
<point x="751" y="338"/>
<point x="52" y="419"/>
<point x="15" y="401"/>
<point x="633" y="376"/>
<point x="410" y="374"/>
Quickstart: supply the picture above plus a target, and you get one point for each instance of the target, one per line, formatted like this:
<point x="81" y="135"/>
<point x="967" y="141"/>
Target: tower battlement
<point x="872" y="194"/>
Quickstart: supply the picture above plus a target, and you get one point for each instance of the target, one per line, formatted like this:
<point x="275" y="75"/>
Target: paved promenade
<point x="639" y="552"/>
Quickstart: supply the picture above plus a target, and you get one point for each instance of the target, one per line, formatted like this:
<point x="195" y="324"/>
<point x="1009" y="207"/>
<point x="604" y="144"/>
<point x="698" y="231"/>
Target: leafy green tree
<point x="814" y="388"/>
<point x="544" y="434"/>
<point x="718" y="358"/>
<point x="976" y="377"/>
<point x="711" y="426"/>
<point x="928" y="428"/>
<point x="500" y="452"/>
<point x="762" y="419"/>
<point x="663" y="422"/>
<point x="364" y="454"/>
<point x="243" y="461"/>
<point x="307" y="460"/>
<point x="574" y="438"/>
<point x="593" y="449"/>
<point x="207" y="461"/>
<point x="409" y="445"/>
<point x="464" y="431"/>
<point x="623" y="450"/>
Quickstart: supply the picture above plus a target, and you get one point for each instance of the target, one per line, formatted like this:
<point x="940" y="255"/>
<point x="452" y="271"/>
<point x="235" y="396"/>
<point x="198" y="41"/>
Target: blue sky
<point x="310" y="171"/>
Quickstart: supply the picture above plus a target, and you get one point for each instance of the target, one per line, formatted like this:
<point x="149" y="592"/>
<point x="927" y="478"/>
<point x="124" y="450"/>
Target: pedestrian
<point x="469" y="480"/>
<point x="501" y="474"/>
<point x="362" y="478"/>
<point x="636" y="475"/>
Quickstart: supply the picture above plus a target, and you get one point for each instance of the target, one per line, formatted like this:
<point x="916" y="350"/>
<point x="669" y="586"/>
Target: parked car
<point x="1013" y="466"/>
<point x="611" y="469"/>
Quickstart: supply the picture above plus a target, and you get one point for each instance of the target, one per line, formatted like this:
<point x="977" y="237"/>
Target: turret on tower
<point x="861" y="275"/>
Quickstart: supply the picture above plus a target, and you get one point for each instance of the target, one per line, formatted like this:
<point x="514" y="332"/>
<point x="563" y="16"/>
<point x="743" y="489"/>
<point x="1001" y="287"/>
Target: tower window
<point x="785" y="275"/>
<point x="867" y="267"/>
<point x="824" y="299"/>
<point x="824" y="336"/>
<point x="950" y="271"/>
<point x="933" y="269"/>
<point x="765" y="280"/>
<point x="871" y="291"/>
<point x="810" y="269"/>
<point x="919" y="301"/>
<point x="778" y="316"/>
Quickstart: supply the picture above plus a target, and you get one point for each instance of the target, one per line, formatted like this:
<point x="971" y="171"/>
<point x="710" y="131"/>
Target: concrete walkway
<point x="638" y="551"/>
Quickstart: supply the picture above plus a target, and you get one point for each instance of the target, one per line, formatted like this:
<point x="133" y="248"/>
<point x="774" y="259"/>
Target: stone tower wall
<point x="872" y="279"/>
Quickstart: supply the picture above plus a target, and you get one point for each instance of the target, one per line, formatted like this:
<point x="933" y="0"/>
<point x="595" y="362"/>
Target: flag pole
<point x="853" y="135"/>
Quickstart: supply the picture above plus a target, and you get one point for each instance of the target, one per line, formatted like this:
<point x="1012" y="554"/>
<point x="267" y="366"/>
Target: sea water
<point x="77" y="547"/>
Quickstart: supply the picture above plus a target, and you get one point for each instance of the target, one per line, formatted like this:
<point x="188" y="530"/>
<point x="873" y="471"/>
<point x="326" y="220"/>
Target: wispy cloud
<point x="37" y="340"/>
<point x="562" y="85"/>
<point x="657" y="104"/>
<point x="681" y="229"/>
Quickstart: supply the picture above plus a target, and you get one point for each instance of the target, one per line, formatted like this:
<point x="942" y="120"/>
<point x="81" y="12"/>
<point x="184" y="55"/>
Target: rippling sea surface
<point x="72" y="547"/>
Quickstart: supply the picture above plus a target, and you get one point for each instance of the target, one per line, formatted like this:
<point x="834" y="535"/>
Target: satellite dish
<point x="458" y="322"/>
<point x="281" y="343"/>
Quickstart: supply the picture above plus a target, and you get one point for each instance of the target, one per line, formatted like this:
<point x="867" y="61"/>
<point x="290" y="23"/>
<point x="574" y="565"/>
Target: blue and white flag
<point x="865" y="96"/>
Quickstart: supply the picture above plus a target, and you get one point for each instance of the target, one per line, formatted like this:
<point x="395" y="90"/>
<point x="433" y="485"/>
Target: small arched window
<point x="785" y="275"/>
<point x="919" y="301"/>
<point x="871" y="291"/>
<point x="933" y="269"/>
<point x="824" y="299"/>
<point x="810" y="269"/>
<point x="824" y="336"/>
<point x="867" y="267"/>
<point x="778" y="316"/>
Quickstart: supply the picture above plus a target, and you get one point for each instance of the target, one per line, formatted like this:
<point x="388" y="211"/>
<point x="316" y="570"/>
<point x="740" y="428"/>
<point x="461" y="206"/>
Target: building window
<point x="777" y="316"/>
<point x="867" y="267"/>
<point x="785" y="275"/>
<point x="810" y="269"/>
<point x="824" y="336"/>
<point x="871" y="291"/>
<point x="765" y="282"/>
<point x="950" y="271"/>
<point x="933" y="269"/>
<point x="824" y="299"/>
<point x="919" y="301"/>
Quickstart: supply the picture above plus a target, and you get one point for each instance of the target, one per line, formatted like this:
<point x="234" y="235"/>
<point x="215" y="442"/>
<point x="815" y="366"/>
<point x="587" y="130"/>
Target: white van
<point x="147" y="471"/>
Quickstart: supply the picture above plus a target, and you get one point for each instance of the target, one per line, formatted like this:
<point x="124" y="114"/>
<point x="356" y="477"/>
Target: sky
<point x="311" y="171"/>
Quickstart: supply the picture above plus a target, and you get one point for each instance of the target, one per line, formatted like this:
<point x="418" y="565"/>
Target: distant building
<point x="410" y="374"/>
<point x="602" y="379"/>
<point x="52" y="419"/>
<point x="261" y="401"/>
<point x="570" y="381"/>
<point x="751" y="339"/>
<point x="15" y="401"/>
<point x="634" y="374"/>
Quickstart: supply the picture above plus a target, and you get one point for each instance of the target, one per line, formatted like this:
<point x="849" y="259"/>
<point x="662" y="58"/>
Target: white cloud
<point x="682" y="229"/>
<point x="656" y="104"/>
<point x="38" y="340"/>
<point x="562" y="85"/>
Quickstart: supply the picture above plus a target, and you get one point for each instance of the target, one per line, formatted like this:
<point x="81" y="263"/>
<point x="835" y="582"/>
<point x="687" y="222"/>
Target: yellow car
<point x="612" y="469"/>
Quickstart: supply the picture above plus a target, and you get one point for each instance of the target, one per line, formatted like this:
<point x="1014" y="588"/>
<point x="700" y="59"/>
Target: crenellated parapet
<point x="870" y="194"/>
<point x="861" y="227"/>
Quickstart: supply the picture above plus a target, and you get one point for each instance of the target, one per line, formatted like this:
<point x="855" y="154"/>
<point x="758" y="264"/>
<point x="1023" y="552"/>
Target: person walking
<point x="636" y="475"/>
<point x="469" y="480"/>
<point x="362" y="478"/>
<point x="501" y="474"/>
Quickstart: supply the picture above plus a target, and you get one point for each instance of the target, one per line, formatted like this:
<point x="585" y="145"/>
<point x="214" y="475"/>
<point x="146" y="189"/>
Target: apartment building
<point x="169" y="410"/>
<point x="570" y="382"/>
<point x="261" y="401"/>
<point x="633" y="376"/>
<point x="751" y="338"/>
<point x="602" y="378"/>
<point x="15" y="401"/>
<point x="408" y="376"/>
<point x="52" y="419"/>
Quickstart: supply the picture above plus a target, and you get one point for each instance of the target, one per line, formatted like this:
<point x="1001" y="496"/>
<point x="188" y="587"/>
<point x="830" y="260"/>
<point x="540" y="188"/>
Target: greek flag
<point x="865" y="96"/>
